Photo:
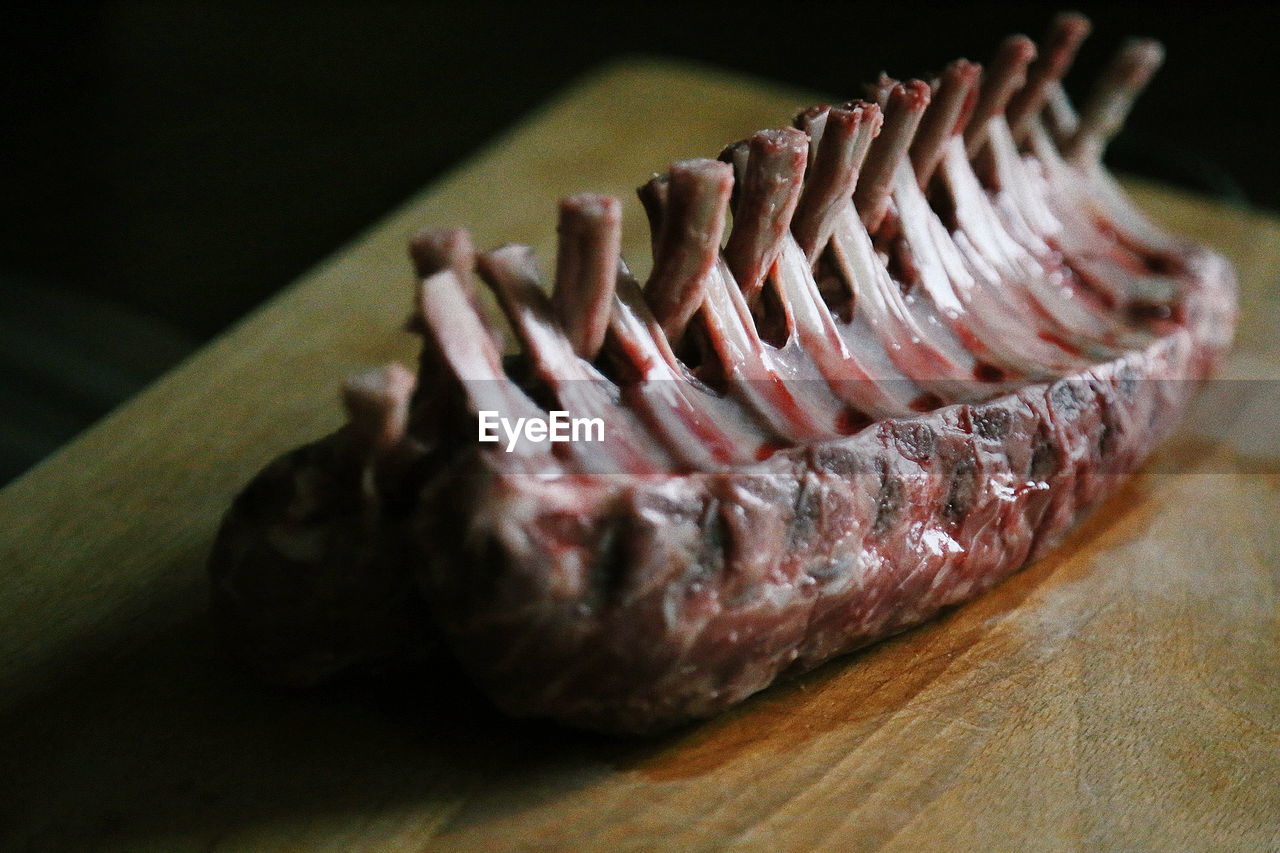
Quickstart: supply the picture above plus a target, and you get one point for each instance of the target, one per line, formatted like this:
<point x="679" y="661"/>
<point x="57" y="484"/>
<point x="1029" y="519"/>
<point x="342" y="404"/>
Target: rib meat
<point x="937" y="333"/>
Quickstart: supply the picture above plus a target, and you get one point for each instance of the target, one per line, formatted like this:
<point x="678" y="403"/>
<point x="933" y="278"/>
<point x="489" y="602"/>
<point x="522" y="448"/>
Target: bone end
<point x="377" y="404"/>
<point x="435" y="249"/>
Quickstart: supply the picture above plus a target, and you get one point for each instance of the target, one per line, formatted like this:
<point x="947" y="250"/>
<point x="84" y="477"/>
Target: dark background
<point x="170" y="165"/>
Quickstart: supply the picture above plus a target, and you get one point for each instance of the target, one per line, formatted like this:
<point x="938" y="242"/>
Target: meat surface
<point x="934" y="336"/>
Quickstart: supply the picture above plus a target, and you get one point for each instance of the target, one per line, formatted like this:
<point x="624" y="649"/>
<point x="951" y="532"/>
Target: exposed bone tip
<point x="808" y="115"/>
<point x="702" y="175"/>
<point x="834" y="172"/>
<point x="872" y="115"/>
<point x="503" y="257"/>
<point x="881" y="90"/>
<point x="962" y="71"/>
<point x="913" y="95"/>
<point x="701" y="169"/>
<point x="732" y="150"/>
<point x="390" y="381"/>
<point x="1146" y="52"/>
<point x="1113" y="97"/>
<point x="654" y="192"/>
<point x="593" y="207"/>
<point x="777" y="140"/>
<point x="846" y="116"/>
<point x="1066" y="33"/>
<point x="377" y="403"/>
<point x="1073" y="24"/>
<point x="1019" y="49"/>
<point x="434" y="249"/>
<point x="769" y="177"/>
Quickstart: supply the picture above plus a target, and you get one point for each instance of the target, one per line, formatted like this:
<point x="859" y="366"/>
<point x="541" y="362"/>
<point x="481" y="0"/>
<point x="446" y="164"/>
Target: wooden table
<point x="1121" y="694"/>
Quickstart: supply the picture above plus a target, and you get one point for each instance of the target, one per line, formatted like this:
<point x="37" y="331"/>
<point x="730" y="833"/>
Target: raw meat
<point x="937" y="333"/>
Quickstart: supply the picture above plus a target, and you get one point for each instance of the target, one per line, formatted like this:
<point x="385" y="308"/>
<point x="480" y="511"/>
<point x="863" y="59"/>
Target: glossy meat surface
<point x="936" y="334"/>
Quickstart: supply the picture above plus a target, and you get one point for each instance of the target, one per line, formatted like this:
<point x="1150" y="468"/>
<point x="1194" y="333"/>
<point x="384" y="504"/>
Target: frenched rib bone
<point x="687" y="244"/>
<point x="1046" y="72"/>
<point x="935" y="334"/>
<point x="904" y="106"/>
<point x="953" y="102"/>
<point x="769" y="178"/>
<point x="1006" y="75"/>
<point x="587" y="268"/>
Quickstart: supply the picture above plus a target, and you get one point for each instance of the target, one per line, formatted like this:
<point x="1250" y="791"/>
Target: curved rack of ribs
<point x="935" y="335"/>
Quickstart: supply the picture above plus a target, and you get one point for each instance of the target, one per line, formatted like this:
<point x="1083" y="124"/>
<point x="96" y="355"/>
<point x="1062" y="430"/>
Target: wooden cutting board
<point x="1119" y="695"/>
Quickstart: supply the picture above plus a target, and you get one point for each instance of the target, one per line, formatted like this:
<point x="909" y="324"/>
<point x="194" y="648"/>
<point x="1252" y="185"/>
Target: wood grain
<point x="1120" y="695"/>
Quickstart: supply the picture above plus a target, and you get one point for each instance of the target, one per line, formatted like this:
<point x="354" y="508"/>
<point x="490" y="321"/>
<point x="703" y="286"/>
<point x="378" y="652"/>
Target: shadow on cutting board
<point x="147" y="739"/>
